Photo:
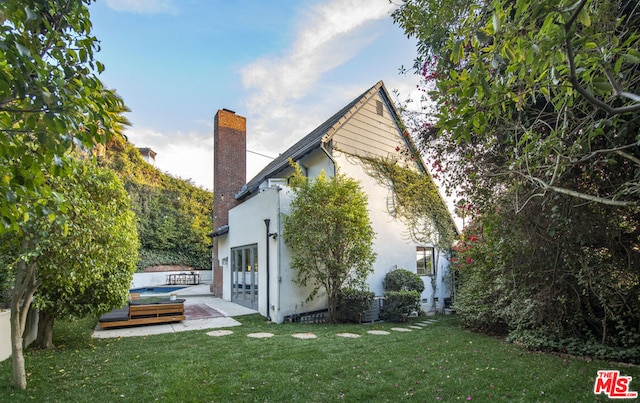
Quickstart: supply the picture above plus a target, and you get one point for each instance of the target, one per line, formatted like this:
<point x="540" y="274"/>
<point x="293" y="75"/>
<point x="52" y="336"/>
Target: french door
<point x="244" y="276"/>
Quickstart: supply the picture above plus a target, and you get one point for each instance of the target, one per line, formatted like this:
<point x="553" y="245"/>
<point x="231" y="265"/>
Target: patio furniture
<point x="192" y="278"/>
<point x="141" y="312"/>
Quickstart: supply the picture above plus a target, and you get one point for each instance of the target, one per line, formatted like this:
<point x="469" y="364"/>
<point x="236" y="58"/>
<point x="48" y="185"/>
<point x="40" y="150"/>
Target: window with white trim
<point x="424" y="261"/>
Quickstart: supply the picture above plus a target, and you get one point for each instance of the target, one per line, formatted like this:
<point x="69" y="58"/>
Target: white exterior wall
<point x="372" y="131"/>
<point x="392" y="244"/>
<point x="248" y="227"/>
<point x="150" y="279"/>
<point x="368" y="132"/>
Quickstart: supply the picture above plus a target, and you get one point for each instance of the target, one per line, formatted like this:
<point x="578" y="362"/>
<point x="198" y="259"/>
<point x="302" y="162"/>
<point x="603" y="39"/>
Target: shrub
<point x="403" y="280"/>
<point x="398" y="305"/>
<point x="352" y="302"/>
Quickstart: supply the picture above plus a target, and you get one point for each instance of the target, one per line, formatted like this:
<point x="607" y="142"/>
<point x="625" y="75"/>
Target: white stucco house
<point x="250" y="258"/>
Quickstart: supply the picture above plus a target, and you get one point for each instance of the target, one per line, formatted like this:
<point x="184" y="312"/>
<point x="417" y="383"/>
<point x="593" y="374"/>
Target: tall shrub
<point x="552" y="284"/>
<point x="330" y="235"/>
<point x="173" y="215"/>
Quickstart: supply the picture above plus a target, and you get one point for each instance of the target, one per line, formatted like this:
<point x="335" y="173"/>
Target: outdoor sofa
<point x="144" y="312"/>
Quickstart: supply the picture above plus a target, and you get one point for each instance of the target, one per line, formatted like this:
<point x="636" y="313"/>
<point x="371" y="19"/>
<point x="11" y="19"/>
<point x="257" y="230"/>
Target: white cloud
<point x="144" y="6"/>
<point x="328" y="35"/>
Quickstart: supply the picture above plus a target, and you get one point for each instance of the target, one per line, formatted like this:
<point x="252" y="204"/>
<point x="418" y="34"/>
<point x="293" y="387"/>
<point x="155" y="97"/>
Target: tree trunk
<point x="45" y="331"/>
<point x="332" y="305"/>
<point x="21" y="296"/>
<point x="17" y="357"/>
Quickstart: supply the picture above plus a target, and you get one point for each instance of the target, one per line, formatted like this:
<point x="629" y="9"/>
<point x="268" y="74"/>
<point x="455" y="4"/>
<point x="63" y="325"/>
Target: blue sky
<point x="287" y="65"/>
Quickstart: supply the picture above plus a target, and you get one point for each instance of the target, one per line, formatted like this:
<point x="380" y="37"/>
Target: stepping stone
<point x="348" y="335"/>
<point x="217" y="333"/>
<point x="400" y="329"/>
<point x="380" y="332"/>
<point x="260" y="335"/>
<point x="304" y="335"/>
<point x="415" y="327"/>
<point x="421" y="325"/>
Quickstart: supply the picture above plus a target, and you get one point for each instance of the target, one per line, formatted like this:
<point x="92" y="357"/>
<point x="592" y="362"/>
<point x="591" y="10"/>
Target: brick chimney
<point x="229" y="175"/>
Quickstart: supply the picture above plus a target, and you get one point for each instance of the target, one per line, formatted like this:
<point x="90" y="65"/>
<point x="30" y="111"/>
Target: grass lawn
<point x="440" y="362"/>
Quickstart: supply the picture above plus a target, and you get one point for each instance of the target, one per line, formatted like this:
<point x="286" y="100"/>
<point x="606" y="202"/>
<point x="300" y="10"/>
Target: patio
<point x="202" y="311"/>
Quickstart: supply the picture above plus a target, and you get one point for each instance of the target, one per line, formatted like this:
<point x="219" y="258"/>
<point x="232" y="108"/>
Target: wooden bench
<point x="140" y="313"/>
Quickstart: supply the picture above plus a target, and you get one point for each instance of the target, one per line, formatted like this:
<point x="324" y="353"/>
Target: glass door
<point x="244" y="276"/>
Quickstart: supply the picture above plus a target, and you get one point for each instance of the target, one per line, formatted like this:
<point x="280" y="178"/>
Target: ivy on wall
<point x="174" y="216"/>
<point x="416" y="200"/>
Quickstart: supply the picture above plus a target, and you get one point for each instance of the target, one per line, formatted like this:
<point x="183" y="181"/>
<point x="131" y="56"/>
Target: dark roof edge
<point x="220" y="231"/>
<point x="305" y="145"/>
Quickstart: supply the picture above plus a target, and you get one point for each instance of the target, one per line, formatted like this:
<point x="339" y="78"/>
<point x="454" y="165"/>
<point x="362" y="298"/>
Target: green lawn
<point x="439" y="362"/>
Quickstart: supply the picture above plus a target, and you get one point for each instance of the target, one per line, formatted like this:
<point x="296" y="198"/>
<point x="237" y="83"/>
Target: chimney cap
<point x="229" y="110"/>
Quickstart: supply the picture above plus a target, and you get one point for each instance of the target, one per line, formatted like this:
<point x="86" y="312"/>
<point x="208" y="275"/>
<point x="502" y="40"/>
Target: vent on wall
<point x="274" y="182"/>
<point x="379" y="107"/>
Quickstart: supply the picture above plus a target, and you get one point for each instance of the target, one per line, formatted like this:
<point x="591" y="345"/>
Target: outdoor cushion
<point x="116" y="315"/>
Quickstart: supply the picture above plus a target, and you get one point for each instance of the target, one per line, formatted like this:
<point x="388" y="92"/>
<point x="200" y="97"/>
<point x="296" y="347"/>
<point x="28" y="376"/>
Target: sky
<point x="286" y="65"/>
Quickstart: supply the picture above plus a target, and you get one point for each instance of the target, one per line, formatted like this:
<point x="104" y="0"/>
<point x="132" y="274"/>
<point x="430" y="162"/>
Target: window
<point x="424" y="261"/>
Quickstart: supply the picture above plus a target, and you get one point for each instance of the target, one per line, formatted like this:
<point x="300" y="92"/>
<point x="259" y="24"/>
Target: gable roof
<point x="314" y="140"/>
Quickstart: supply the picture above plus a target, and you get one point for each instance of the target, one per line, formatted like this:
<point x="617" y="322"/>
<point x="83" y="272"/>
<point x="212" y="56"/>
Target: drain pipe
<point x="267" y="221"/>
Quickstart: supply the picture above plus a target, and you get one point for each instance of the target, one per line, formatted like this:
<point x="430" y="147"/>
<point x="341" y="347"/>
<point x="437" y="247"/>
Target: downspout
<point x="266" y="222"/>
<point x="279" y="251"/>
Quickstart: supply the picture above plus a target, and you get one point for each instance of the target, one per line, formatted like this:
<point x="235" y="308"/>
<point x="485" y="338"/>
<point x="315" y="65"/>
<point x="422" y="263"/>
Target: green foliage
<point x="173" y="215"/>
<point x="88" y="267"/>
<point x="51" y="101"/>
<point x="402" y="295"/>
<point x="402" y="280"/>
<point x="330" y="235"/>
<point x="535" y="118"/>
<point x="352" y="302"/>
<point x="5" y="289"/>
<point x="417" y="201"/>
<point x="541" y="340"/>
<point x="540" y="96"/>
<point x="398" y="305"/>
<point x="585" y="291"/>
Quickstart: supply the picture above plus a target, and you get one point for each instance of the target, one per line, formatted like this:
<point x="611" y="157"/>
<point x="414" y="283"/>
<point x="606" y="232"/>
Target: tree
<point x="50" y="101"/>
<point x="535" y="108"/>
<point x="540" y="95"/>
<point x="88" y="265"/>
<point x="173" y="215"/>
<point x="330" y="235"/>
